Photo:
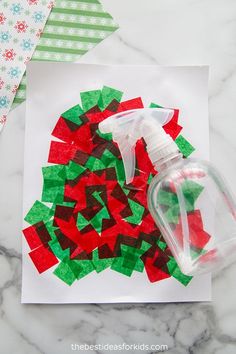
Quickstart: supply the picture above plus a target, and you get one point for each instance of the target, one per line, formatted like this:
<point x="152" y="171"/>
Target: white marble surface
<point x="152" y="32"/>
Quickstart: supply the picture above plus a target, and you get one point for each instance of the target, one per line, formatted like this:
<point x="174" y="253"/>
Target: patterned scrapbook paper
<point x="21" y="23"/>
<point x="73" y="28"/>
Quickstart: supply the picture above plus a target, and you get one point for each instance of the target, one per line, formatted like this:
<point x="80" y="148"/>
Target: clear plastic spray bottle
<point x="188" y="198"/>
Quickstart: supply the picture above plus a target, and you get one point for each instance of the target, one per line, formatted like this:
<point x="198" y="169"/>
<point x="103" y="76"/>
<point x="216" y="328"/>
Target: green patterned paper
<point x="73" y="28"/>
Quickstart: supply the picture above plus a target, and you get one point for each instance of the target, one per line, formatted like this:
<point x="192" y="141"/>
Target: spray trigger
<point x="129" y="126"/>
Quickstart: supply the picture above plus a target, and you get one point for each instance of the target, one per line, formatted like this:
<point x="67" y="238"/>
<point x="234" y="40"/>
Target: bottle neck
<point x="163" y="165"/>
<point x="162" y="150"/>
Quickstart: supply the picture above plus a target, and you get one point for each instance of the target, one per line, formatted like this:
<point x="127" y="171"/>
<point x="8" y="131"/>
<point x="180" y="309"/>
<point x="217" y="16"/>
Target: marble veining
<point x="165" y="32"/>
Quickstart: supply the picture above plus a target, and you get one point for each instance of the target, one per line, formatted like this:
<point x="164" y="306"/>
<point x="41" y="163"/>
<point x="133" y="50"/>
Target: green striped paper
<point x="73" y="28"/>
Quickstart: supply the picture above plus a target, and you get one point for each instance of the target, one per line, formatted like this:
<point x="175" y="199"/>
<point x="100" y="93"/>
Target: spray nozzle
<point x="129" y="126"/>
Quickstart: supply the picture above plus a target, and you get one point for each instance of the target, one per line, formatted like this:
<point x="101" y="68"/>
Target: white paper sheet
<point x="54" y="88"/>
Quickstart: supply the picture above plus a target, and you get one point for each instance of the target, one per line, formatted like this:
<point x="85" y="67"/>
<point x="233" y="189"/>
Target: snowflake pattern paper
<point x="73" y="28"/>
<point x="21" y="23"/>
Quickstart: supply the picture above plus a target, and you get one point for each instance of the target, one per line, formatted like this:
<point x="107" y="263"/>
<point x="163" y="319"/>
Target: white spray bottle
<point x="188" y="199"/>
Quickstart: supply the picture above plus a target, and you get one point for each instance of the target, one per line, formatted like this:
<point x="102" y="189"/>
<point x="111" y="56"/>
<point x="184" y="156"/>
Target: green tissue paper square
<point x="73" y="114"/>
<point x="184" y="146"/>
<point x="38" y="212"/>
<point x="176" y="272"/>
<point x="90" y="99"/>
<point x="108" y="94"/>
